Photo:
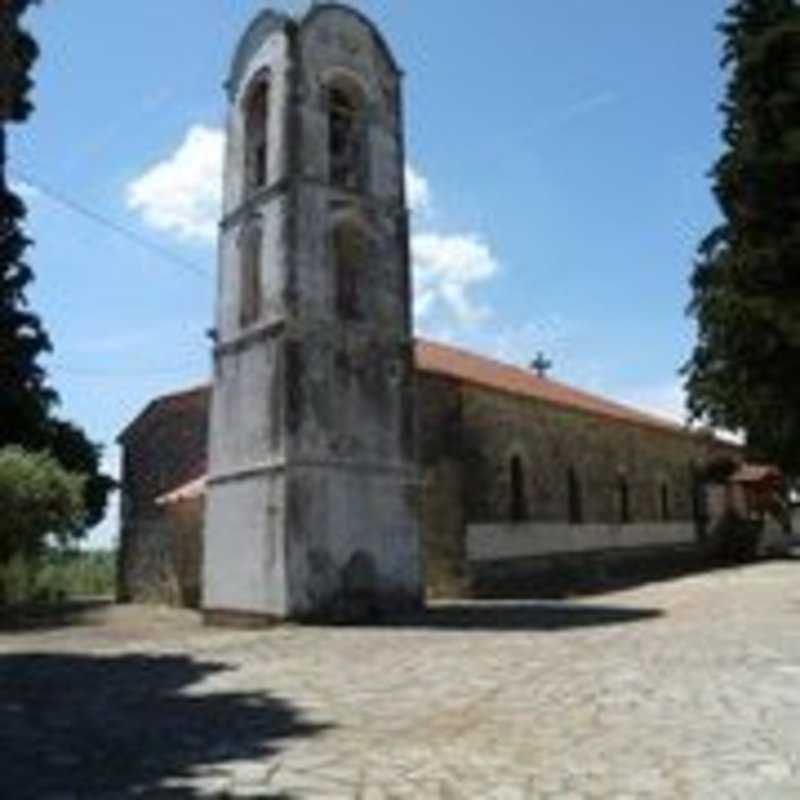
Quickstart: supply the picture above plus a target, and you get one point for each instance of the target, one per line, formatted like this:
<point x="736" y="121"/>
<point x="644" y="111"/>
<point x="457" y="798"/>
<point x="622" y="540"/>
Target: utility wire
<point x="62" y="199"/>
<point x="100" y="372"/>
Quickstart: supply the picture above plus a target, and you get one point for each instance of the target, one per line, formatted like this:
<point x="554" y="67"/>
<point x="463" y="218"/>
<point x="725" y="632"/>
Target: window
<point x="624" y="499"/>
<point x="350" y="260"/>
<point x="664" y="501"/>
<point x="518" y="510"/>
<point x="250" y="288"/>
<point x="255" y="134"/>
<point x="347" y="140"/>
<point x="574" y="498"/>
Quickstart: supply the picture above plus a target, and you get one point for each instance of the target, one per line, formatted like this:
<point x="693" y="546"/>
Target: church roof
<point x="446" y="361"/>
<point x="174" y="402"/>
<point x="435" y="358"/>
<point x="453" y="362"/>
<point x="188" y="491"/>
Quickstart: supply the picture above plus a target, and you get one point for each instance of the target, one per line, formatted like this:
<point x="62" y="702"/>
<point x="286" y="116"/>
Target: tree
<point x="26" y="398"/>
<point x="39" y="498"/>
<point x="72" y="449"/>
<point x="27" y="401"/>
<point x="743" y="373"/>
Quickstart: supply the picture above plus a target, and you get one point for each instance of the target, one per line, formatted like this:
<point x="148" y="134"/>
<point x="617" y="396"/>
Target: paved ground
<point x="683" y="689"/>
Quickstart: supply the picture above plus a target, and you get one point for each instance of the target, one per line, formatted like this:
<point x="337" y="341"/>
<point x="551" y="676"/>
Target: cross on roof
<point x="541" y="365"/>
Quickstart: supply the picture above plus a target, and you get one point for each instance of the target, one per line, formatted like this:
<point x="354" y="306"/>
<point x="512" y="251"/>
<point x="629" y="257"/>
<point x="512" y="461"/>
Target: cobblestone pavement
<point x="682" y="689"/>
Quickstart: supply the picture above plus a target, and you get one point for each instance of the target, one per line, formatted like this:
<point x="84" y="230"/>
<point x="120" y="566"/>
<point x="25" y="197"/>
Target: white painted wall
<point x="505" y="542"/>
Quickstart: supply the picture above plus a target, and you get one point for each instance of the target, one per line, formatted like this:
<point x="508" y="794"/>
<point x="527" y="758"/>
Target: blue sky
<point x="557" y="163"/>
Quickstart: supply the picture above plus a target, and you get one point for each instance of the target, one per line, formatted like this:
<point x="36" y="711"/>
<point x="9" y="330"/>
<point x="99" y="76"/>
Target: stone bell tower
<point x="313" y="497"/>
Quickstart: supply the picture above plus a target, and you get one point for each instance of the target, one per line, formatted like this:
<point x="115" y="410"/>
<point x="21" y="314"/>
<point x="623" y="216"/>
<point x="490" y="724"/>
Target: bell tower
<point x="313" y="497"/>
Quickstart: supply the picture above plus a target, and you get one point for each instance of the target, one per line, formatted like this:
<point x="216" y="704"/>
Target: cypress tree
<point x="27" y="401"/>
<point x="25" y="397"/>
<point x="744" y="373"/>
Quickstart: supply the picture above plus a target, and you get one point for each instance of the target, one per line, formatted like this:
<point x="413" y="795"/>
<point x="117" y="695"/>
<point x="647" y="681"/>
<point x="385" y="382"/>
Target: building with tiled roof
<point x="337" y="456"/>
<point x="498" y="444"/>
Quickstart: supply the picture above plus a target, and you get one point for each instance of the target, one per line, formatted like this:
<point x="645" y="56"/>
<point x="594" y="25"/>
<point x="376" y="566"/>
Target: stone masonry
<point x="339" y="456"/>
<point x="312" y="506"/>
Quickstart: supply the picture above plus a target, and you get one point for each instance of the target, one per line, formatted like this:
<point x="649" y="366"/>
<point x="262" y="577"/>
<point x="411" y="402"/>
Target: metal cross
<point x="541" y="365"/>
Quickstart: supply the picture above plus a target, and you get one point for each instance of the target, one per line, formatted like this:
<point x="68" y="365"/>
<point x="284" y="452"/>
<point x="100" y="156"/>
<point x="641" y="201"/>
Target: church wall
<point x="249" y="569"/>
<point x="549" y="441"/>
<point x="443" y="521"/>
<point x="313" y="493"/>
<point x="465" y="435"/>
<point x="272" y="49"/>
<point x="149" y="468"/>
<point x="146" y="572"/>
<point x="531" y="540"/>
<point x="186" y="528"/>
<point x="163" y="556"/>
<point x="248" y="379"/>
<point x="468" y="437"/>
<point x="165" y="448"/>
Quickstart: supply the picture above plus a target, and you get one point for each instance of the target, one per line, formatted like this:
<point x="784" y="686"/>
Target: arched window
<point x="664" y="501"/>
<point x="256" y="111"/>
<point x="351" y="252"/>
<point x="624" y="500"/>
<point x="250" y="287"/>
<point x="574" y="498"/>
<point x="346" y="133"/>
<point x="519" y="509"/>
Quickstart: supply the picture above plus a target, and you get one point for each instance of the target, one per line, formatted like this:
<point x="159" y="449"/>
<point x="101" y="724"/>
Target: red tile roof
<point x="452" y="362"/>
<point x="167" y="403"/>
<point x="433" y="358"/>
<point x="757" y="473"/>
<point x="188" y="491"/>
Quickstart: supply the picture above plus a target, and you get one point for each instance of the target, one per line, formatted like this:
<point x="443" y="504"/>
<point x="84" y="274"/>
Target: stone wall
<point x="163" y="555"/>
<point x="549" y="441"/>
<point x="443" y="520"/>
<point x="468" y="438"/>
<point x="160" y="548"/>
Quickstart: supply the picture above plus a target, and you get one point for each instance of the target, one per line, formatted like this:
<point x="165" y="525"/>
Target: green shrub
<point x="38" y="498"/>
<point x="735" y="539"/>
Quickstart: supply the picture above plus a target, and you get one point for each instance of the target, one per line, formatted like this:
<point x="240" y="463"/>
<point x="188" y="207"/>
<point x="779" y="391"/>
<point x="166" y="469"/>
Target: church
<point x="336" y="466"/>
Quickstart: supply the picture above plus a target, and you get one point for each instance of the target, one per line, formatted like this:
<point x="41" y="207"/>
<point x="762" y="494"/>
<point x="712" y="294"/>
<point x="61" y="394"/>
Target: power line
<point x="99" y="372"/>
<point x="62" y="199"/>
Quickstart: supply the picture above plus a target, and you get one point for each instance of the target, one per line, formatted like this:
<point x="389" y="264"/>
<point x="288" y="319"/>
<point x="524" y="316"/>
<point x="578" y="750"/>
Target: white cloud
<point x="447" y="268"/>
<point x="182" y="194"/>
<point x="418" y="191"/>
<point x="27" y="191"/>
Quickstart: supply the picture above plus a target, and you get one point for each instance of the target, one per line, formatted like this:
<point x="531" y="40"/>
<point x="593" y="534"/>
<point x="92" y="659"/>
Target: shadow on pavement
<point x="89" y="726"/>
<point x="522" y="615"/>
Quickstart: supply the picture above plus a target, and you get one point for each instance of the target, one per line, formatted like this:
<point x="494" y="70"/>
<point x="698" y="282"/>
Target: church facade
<point x="335" y="465"/>
<point x="524" y="482"/>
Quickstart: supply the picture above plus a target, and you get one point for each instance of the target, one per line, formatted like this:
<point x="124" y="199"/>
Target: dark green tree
<point x="27" y="401"/>
<point x="25" y="397"/>
<point x="744" y="373"/>
<point x="72" y="449"/>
